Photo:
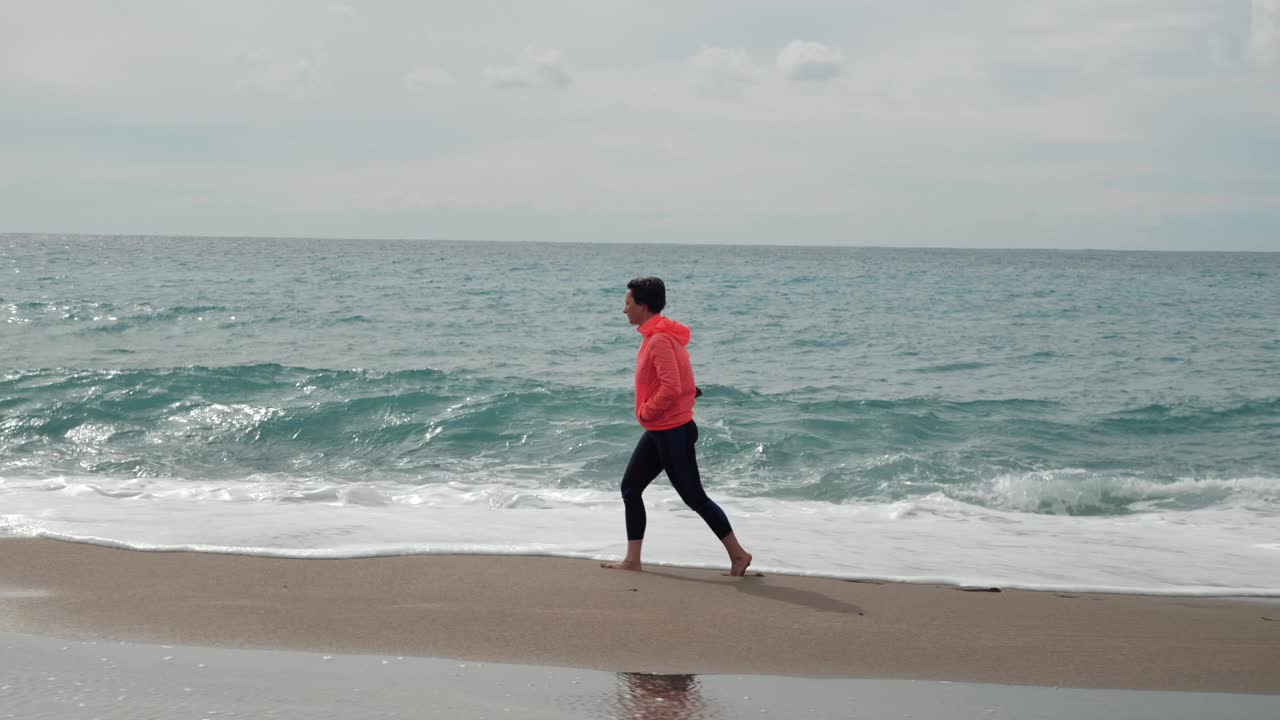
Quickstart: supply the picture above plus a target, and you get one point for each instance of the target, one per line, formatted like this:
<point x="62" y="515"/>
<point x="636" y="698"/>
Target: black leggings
<point x="672" y="451"/>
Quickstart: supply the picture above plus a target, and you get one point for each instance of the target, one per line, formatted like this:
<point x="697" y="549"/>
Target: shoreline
<point x="571" y="613"/>
<point x="1209" y="592"/>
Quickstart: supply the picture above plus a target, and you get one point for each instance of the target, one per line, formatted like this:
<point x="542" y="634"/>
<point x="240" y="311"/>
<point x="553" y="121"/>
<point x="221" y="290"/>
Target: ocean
<point x="1080" y="420"/>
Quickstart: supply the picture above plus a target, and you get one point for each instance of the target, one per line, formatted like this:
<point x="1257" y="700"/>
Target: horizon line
<point x="45" y="235"/>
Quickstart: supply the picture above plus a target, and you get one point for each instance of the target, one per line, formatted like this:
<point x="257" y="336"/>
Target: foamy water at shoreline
<point x="933" y="539"/>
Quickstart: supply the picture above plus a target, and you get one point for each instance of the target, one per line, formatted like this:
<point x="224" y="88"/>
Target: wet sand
<point x="55" y="679"/>
<point x="550" y="611"/>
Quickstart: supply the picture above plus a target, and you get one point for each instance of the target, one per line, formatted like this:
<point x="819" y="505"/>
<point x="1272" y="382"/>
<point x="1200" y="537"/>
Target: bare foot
<point x="624" y="565"/>
<point x="738" y="565"/>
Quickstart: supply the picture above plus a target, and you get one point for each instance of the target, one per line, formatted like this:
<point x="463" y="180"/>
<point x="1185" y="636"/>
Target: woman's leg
<point x="644" y="466"/>
<point x="681" y="464"/>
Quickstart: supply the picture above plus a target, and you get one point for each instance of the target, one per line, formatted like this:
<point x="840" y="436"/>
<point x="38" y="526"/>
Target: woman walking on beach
<point x="664" y="400"/>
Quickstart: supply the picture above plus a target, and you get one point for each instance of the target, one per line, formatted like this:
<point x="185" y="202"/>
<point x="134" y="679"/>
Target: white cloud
<point x="1264" y="33"/>
<point x="421" y="79"/>
<point x="803" y="61"/>
<point x="273" y="75"/>
<point x="341" y="9"/>
<point x="535" y="70"/>
<point x="723" y="68"/>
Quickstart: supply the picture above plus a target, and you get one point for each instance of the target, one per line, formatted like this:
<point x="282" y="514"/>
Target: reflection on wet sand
<point x="645" y="696"/>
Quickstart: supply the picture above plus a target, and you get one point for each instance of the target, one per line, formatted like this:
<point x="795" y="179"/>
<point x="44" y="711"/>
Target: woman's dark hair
<point x="650" y="292"/>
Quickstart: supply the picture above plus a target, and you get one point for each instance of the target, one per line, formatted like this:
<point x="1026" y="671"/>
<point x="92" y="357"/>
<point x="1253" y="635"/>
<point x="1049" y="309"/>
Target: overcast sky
<point x="985" y="123"/>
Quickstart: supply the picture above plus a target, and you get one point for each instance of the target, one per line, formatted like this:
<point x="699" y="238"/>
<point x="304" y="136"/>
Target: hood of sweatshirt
<point x="665" y="325"/>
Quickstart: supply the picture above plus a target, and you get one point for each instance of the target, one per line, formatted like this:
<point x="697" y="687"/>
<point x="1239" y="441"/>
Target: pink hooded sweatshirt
<point x="664" y="377"/>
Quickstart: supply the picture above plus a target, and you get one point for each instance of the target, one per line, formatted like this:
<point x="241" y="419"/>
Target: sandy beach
<point x="550" y="611"/>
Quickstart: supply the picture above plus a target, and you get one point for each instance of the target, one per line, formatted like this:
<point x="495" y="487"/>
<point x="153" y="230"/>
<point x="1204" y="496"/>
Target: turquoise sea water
<point x="967" y="415"/>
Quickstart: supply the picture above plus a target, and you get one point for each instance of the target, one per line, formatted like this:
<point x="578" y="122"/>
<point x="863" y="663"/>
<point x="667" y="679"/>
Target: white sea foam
<point x="1226" y="549"/>
<point x="1064" y="490"/>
